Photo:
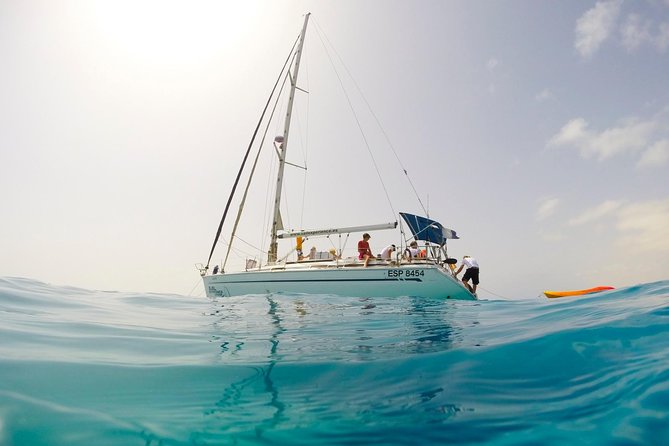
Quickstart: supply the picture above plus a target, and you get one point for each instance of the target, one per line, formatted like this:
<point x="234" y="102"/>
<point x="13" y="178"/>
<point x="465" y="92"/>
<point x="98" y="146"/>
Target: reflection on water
<point x="292" y="343"/>
<point x="290" y="328"/>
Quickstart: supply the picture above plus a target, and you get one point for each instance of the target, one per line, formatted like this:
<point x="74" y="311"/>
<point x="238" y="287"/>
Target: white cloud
<point x="596" y="213"/>
<point x="552" y="236"/>
<point x="598" y="24"/>
<point x="635" y="32"/>
<point x="662" y="38"/>
<point x="574" y="132"/>
<point x="644" y="227"/>
<point x="657" y="155"/>
<point x="638" y="31"/>
<point x="595" y="26"/>
<point x="631" y="135"/>
<point x="547" y="207"/>
<point x="646" y="137"/>
<point x="544" y="95"/>
<point x="492" y="64"/>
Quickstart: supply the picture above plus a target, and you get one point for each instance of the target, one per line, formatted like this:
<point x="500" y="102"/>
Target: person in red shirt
<point x="363" y="249"/>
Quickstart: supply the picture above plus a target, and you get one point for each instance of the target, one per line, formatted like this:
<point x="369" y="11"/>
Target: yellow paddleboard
<point x="553" y="294"/>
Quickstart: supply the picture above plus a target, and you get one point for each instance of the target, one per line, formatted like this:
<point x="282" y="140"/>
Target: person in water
<point x="364" y="253"/>
<point x="472" y="272"/>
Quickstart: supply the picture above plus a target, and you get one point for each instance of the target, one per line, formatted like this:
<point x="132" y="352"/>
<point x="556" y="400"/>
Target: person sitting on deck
<point x="364" y="253"/>
<point x="412" y="251"/>
<point x="387" y="252"/>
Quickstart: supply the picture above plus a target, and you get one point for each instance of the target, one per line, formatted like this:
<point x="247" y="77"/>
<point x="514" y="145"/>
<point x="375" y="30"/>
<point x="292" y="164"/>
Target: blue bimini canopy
<point x="423" y="228"/>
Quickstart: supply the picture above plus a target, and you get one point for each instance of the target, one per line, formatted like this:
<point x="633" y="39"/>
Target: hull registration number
<point x="402" y="273"/>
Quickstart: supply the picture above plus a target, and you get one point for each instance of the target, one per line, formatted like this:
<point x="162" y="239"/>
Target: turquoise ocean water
<point x="82" y="367"/>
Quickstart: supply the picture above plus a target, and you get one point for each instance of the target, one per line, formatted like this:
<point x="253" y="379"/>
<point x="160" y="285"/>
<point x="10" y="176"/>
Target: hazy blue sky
<point x="538" y="130"/>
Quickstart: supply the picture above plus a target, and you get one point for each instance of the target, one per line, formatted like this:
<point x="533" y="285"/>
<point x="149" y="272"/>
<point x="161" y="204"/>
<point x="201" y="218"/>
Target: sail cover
<point x="423" y="228"/>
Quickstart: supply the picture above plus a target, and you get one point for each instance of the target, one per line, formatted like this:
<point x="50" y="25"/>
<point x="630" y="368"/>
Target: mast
<point x="273" y="246"/>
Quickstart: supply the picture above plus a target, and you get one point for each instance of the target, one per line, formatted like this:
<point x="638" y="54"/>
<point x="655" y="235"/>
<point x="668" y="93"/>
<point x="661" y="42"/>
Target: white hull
<point x="413" y="279"/>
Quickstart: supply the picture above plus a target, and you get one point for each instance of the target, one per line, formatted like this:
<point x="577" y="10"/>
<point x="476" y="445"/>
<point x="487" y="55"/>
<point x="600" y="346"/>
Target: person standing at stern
<point x="472" y="272"/>
<point x="364" y="253"/>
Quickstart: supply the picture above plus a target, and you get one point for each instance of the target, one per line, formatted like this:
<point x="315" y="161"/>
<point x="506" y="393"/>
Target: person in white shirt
<point x="412" y="251"/>
<point x="387" y="252"/>
<point x="472" y="272"/>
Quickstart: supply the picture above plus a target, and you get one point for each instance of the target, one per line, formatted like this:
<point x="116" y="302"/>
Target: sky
<point x="539" y="131"/>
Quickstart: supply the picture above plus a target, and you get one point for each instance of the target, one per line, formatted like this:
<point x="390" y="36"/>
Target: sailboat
<point x="422" y="269"/>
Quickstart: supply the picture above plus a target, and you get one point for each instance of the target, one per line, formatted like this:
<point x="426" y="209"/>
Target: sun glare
<point x="158" y="32"/>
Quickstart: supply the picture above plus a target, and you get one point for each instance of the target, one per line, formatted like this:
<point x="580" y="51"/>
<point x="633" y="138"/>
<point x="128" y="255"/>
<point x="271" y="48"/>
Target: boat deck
<point x="349" y="262"/>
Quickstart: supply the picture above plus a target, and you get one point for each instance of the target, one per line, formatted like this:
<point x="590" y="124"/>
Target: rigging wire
<point x="286" y="193"/>
<point x="355" y="115"/>
<point x="268" y="217"/>
<point x="253" y="169"/>
<point x="306" y="147"/>
<point x="494" y="294"/>
<point x="239" y="252"/>
<point x="248" y="151"/>
<point x="287" y="190"/>
<point x="249" y="244"/>
<point x="378" y="122"/>
<point x="190" y="293"/>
